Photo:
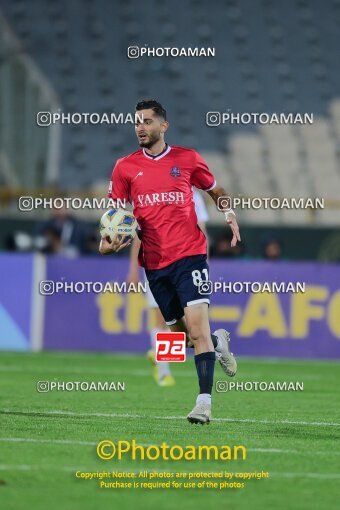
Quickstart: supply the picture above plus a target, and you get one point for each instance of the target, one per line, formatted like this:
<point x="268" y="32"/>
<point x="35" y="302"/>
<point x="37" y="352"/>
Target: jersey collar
<point x="159" y="156"/>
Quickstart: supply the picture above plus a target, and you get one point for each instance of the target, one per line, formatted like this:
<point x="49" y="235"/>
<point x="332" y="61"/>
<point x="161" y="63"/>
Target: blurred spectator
<point x="92" y="242"/>
<point x="271" y="249"/>
<point x="221" y="247"/>
<point x="62" y="234"/>
<point x="18" y="241"/>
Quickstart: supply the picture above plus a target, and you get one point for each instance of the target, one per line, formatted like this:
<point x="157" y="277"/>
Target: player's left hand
<point x="231" y="220"/>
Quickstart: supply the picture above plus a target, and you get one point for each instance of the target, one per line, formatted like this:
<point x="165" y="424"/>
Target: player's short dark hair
<point x="151" y="104"/>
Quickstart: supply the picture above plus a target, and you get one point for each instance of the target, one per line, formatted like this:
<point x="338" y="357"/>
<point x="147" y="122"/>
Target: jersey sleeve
<point x="119" y="186"/>
<point x="200" y="207"/>
<point x="201" y="177"/>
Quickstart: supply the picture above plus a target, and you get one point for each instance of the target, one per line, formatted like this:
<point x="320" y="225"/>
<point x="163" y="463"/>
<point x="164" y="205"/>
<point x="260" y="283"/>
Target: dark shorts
<point x="178" y="285"/>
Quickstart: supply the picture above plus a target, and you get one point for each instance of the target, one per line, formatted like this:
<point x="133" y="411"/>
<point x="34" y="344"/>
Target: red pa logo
<point x="170" y="346"/>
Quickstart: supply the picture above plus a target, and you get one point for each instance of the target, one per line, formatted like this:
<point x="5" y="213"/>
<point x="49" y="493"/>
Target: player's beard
<point x="153" y="138"/>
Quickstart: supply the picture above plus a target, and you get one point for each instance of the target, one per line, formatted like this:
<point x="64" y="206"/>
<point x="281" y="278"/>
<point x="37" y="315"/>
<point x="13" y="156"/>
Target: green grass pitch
<point x="46" y="437"/>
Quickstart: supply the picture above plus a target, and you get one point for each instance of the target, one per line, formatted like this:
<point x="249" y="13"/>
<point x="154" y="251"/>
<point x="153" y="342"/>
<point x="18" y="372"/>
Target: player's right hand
<point x="106" y="246"/>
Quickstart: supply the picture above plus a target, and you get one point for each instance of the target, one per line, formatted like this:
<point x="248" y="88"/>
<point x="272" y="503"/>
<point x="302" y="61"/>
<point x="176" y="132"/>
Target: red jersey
<point x="160" y="190"/>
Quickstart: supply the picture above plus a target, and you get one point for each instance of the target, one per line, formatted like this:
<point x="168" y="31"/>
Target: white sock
<point x="163" y="369"/>
<point x="204" y="397"/>
<point x="153" y="332"/>
<point x="162" y="366"/>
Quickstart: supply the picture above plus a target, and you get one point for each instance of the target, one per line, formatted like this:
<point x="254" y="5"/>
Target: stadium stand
<point x="280" y="58"/>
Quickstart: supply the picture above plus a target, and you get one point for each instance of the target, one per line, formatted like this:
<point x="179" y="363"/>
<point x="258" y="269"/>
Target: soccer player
<point x="161" y="370"/>
<point x="157" y="179"/>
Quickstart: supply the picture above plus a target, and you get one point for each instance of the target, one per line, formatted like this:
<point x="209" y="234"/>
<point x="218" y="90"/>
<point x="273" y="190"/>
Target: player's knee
<point x="196" y="333"/>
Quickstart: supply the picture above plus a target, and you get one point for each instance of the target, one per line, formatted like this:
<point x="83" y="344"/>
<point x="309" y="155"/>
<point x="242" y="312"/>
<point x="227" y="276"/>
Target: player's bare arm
<point x="215" y="194"/>
<point x="133" y="275"/>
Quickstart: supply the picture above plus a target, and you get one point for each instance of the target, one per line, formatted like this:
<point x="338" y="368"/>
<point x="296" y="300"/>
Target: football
<point x="118" y="221"/>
